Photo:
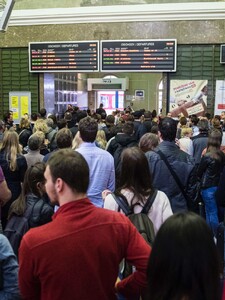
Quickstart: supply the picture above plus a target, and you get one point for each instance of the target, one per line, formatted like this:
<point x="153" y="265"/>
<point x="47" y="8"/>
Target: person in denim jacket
<point x="9" y="289"/>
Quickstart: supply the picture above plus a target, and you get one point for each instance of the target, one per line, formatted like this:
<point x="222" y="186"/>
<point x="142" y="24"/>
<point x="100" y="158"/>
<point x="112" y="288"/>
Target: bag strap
<point x="163" y="157"/>
<point x="121" y="203"/>
<point x="128" y="210"/>
<point x="149" y="202"/>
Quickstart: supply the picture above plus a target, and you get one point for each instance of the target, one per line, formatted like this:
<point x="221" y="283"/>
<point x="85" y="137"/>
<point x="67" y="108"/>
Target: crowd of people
<point x="60" y="177"/>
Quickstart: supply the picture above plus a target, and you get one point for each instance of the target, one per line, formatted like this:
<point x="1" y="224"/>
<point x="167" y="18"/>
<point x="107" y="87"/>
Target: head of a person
<point x="135" y="173"/>
<point x="34" y="180"/>
<point x="49" y="122"/>
<point x="110" y="120"/>
<point x="40" y="125"/>
<point x="80" y="115"/>
<point x="62" y="123"/>
<point x="128" y="128"/>
<point x="147" y="115"/>
<point x="68" y="116"/>
<point x="10" y="142"/>
<point x="214" y="140"/>
<point x="216" y="123"/>
<point x="43" y="112"/>
<point x="154" y="114"/>
<point x="137" y="114"/>
<point x="64" y="138"/>
<point x="101" y="105"/>
<point x="186" y="132"/>
<point x="168" y="129"/>
<point x="53" y="117"/>
<point x="203" y="125"/>
<point x="183" y="121"/>
<point x="88" y="128"/>
<point x="8" y="117"/>
<point x="194" y="120"/>
<point x="58" y="171"/>
<point x="40" y="135"/>
<point x="34" y="117"/>
<point x="148" y="142"/>
<point x="11" y="147"/>
<point x="184" y="262"/>
<point x="34" y="142"/>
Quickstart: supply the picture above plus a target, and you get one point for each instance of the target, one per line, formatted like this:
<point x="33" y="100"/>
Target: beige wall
<point x="186" y="32"/>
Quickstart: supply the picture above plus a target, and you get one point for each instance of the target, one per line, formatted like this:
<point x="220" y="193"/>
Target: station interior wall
<point x="198" y="56"/>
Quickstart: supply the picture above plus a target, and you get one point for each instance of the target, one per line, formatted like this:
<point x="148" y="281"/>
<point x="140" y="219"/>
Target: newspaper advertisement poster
<point x="220" y="97"/>
<point x="188" y="97"/>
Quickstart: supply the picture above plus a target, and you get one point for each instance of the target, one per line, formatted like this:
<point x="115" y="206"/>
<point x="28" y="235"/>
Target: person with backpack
<point x="31" y="209"/>
<point x="77" y="255"/>
<point x="135" y="187"/>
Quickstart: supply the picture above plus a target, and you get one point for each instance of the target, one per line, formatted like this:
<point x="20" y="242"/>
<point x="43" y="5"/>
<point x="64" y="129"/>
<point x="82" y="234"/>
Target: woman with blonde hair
<point x="101" y="139"/>
<point x="14" y="166"/>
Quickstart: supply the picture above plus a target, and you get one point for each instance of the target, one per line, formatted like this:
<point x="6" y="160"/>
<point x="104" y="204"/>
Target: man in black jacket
<point x="181" y="163"/>
<point x="120" y="142"/>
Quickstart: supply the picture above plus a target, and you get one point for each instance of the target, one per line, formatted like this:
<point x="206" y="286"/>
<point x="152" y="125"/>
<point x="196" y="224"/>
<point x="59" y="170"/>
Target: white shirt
<point x="158" y="213"/>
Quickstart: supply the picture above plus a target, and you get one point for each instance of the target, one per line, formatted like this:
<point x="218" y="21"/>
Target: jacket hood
<point x="124" y="139"/>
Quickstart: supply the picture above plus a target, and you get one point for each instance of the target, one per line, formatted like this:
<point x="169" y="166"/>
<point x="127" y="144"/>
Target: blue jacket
<point x="9" y="271"/>
<point x="183" y="165"/>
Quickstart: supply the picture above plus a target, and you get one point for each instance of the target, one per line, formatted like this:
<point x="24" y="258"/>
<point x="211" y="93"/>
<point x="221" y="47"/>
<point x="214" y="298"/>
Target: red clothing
<point x="76" y="256"/>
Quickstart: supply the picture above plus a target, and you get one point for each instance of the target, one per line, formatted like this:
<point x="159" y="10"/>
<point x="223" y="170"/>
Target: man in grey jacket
<point x="182" y="164"/>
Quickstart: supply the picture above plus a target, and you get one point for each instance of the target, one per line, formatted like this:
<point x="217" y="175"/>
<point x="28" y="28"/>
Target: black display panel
<point x="64" y="56"/>
<point x="138" y="56"/>
<point x="222" y="54"/>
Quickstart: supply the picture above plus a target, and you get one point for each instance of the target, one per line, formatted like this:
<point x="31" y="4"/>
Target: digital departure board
<point x="64" y="56"/>
<point x="138" y="56"/>
<point x="222" y="54"/>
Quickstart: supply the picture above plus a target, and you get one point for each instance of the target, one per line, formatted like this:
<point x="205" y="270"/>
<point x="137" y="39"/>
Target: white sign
<point x="220" y="97"/>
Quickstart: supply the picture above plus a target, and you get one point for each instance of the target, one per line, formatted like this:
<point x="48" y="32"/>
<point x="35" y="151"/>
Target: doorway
<point x="111" y="100"/>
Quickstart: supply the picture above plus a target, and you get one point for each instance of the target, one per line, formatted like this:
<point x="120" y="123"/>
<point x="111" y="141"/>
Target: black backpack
<point x="17" y="226"/>
<point x="141" y="221"/>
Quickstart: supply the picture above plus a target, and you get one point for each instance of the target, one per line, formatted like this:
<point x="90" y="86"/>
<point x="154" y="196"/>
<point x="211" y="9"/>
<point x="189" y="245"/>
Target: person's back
<point x="100" y="162"/>
<point x="182" y="164"/>
<point x="200" y="140"/>
<point x="77" y="255"/>
<point x="184" y="262"/>
<point x="136" y="189"/>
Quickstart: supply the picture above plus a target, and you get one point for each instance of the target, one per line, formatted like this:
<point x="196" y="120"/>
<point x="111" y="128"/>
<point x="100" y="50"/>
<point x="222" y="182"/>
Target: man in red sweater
<point x="77" y="255"/>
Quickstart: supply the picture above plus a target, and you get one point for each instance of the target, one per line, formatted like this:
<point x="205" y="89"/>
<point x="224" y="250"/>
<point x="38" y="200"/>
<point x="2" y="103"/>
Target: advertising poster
<point x="188" y="97"/>
<point x="220" y="97"/>
<point x="19" y="104"/>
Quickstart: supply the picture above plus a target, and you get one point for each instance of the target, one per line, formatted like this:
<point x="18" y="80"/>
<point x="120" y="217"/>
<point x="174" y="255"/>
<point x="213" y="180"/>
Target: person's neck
<point x="71" y="197"/>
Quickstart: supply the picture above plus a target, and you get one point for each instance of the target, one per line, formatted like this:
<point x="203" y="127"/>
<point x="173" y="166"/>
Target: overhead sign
<point x="64" y="57"/>
<point x="138" y="55"/>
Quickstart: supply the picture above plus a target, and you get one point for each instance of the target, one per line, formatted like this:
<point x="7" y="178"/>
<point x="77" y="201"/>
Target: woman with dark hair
<point x="184" y="262"/>
<point x="33" y="198"/>
<point x="135" y="186"/>
<point x="209" y="170"/>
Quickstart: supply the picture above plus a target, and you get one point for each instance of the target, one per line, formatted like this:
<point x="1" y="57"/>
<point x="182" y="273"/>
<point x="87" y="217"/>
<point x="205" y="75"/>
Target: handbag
<point x="196" y="204"/>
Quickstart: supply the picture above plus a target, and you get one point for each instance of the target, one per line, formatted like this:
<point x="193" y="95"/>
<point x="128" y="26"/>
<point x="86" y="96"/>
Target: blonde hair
<point x="76" y="141"/>
<point x="24" y="123"/>
<point x="11" y="147"/>
<point x="40" y="125"/>
<point x="101" y="139"/>
<point x="185" y="131"/>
